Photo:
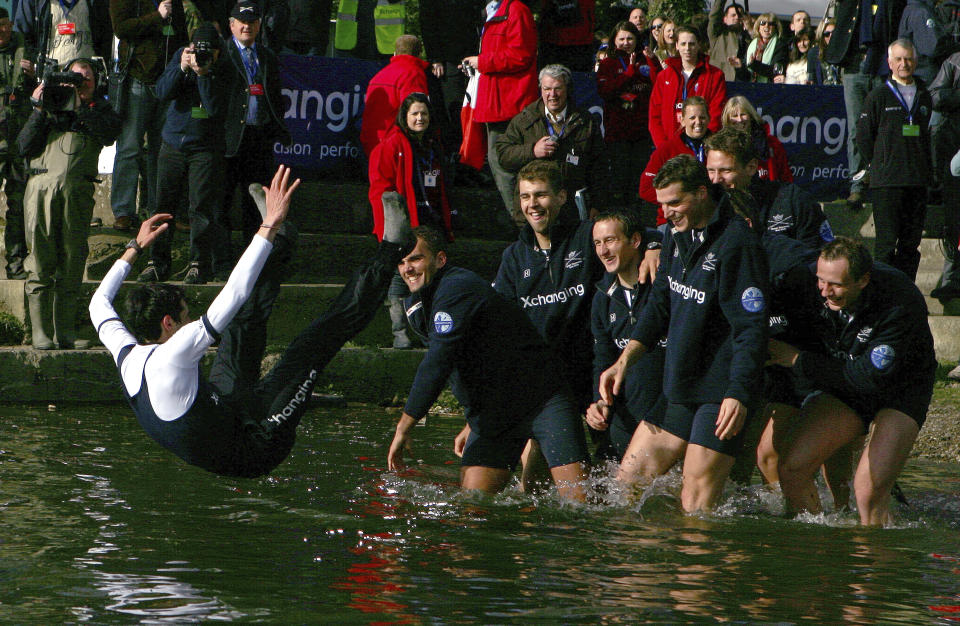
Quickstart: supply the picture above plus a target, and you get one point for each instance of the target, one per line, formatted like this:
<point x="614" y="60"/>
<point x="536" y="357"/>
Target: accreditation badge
<point x="256" y="89"/>
<point x="911" y="130"/>
<point x="67" y="28"/>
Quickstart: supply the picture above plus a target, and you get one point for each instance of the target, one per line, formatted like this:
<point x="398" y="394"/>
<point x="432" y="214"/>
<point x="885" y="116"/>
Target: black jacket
<point x="496" y="361"/>
<point x="711" y="302"/>
<point x="612" y="323"/>
<point x="788" y="210"/>
<point x="197" y="105"/>
<point x="845" y="48"/>
<point x="450" y="29"/>
<point x="895" y="160"/>
<point x="554" y="290"/>
<point x="97" y="121"/>
<point x="239" y="92"/>
<point x="884" y="351"/>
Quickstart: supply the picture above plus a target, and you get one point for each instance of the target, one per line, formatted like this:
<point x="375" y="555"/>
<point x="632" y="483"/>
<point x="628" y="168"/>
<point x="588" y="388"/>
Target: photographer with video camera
<point x="61" y="141"/>
<point x="193" y="149"/>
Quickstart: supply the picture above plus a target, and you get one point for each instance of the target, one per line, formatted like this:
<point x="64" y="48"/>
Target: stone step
<point x="342" y="206"/>
<point x="296" y="306"/>
<point x="946" y="336"/>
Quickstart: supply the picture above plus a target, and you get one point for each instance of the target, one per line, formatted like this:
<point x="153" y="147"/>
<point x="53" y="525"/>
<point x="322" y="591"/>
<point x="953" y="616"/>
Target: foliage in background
<point x="11" y="330"/>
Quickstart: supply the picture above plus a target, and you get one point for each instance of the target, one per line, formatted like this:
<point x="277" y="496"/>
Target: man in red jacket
<point x="690" y="74"/>
<point x="405" y="74"/>
<point x="508" y="79"/>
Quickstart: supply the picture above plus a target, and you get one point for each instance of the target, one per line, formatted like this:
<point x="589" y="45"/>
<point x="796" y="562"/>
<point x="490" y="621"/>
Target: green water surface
<point x="100" y="525"/>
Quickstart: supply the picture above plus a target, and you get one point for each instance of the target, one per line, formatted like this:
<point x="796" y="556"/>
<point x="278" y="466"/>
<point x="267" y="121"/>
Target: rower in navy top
<point x="709" y="298"/>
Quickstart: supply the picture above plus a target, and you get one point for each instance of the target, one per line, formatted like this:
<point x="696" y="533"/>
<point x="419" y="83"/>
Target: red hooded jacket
<point x="579" y="34"/>
<point x="392" y="169"/>
<point x="507" y="64"/>
<point x="706" y="81"/>
<point x="404" y="75"/>
<point x="775" y="166"/>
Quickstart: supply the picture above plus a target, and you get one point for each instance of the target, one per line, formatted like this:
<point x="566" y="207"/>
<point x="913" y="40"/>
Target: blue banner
<point x="324" y="100"/>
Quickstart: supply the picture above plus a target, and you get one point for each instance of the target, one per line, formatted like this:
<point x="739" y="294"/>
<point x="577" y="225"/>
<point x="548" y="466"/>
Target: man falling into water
<point x="233" y="423"/>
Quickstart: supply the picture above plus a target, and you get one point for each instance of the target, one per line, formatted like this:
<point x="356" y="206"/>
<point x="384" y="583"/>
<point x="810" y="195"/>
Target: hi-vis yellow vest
<point x="387" y="25"/>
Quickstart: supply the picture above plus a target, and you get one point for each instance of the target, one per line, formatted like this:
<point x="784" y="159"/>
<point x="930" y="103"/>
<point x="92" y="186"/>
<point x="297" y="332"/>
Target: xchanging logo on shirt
<point x="686" y="291"/>
<point x="552" y="298"/>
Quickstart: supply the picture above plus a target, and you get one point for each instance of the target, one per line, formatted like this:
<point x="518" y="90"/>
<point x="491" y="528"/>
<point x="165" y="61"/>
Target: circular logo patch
<point x="443" y="322"/>
<point x="752" y="300"/>
<point x="882" y="356"/>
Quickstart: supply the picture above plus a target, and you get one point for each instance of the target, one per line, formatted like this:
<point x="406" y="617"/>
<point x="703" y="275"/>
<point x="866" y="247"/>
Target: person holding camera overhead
<point x="192" y="149"/>
<point x="61" y="141"/>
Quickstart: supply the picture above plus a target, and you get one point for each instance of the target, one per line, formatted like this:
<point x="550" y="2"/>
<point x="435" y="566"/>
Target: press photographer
<point x="61" y="141"/>
<point x="193" y="84"/>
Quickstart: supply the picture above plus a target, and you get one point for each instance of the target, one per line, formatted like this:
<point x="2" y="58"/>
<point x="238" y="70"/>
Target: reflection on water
<point x="102" y="526"/>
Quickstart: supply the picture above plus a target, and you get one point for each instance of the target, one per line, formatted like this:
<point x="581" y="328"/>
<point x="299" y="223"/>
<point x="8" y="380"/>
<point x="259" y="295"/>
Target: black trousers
<point x="253" y="163"/>
<point x="209" y="240"/>
<point x="14" y="235"/>
<point x="278" y="400"/>
<point x="899" y="214"/>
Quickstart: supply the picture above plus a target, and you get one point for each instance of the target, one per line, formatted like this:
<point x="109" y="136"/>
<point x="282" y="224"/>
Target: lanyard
<point x="686" y="81"/>
<point x="623" y="63"/>
<point x="697" y="150"/>
<point x="903" y="103"/>
<point x="554" y="131"/>
<point x="426" y="161"/>
<point x="67" y="6"/>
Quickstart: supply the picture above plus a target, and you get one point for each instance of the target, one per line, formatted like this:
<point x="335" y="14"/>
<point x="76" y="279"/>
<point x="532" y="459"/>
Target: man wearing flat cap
<point x="254" y="117"/>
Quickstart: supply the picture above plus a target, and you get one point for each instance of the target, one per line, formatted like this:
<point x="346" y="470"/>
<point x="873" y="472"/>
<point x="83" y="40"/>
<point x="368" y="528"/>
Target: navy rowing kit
<point x="499" y="368"/>
<point x="231" y="424"/>
<point x="554" y="289"/>
<point x="709" y="298"/>
<point x="614" y="314"/>
<point x="788" y="210"/>
<point x="876" y="354"/>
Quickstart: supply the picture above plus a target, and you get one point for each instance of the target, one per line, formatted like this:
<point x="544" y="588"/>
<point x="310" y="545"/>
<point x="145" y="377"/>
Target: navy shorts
<point x="557" y="427"/>
<point x="697" y="423"/>
<point x="786" y="386"/>
<point x="913" y="403"/>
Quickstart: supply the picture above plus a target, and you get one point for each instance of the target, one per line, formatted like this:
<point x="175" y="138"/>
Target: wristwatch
<point x="133" y="245"/>
<point x="654" y="245"/>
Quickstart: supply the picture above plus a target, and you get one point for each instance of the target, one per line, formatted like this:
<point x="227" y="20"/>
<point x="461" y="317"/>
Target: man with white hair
<point x="553" y="128"/>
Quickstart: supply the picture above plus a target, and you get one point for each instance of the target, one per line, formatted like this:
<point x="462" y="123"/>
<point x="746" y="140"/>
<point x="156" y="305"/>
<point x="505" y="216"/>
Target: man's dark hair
<point x="544" y="171"/>
<point x="737" y="6"/>
<point x="629" y="221"/>
<point x="686" y="28"/>
<point x="734" y="142"/>
<point x="409" y="101"/>
<point x="684" y="169"/>
<point x="854" y="251"/>
<point x="432" y="238"/>
<point x="148" y="304"/>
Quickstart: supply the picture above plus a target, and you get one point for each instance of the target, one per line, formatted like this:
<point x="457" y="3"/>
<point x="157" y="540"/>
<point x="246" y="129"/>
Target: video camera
<point x="59" y="89"/>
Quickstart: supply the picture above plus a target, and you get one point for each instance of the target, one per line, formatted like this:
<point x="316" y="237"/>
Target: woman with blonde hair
<point x="667" y="41"/>
<point x="766" y="56"/>
<point x="772" y="161"/>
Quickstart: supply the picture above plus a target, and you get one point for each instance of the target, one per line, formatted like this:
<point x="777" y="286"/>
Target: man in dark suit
<point x="254" y="120"/>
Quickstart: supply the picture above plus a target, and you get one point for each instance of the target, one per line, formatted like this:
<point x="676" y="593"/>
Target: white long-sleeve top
<point x="172" y="371"/>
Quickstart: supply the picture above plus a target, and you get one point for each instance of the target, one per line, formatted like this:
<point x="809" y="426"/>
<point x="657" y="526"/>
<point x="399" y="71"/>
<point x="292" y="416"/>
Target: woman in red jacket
<point x="690" y="74"/>
<point x="624" y="81"/>
<point x="695" y="127"/>
<point x="771" y="156"/>
<point x="409" y="162"/>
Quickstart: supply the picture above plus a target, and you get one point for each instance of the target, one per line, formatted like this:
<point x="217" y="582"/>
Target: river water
<point x="98" y="524"/>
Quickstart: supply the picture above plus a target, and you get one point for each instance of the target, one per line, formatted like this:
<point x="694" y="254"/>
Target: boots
<point x="65" y="307"/>
<point x="41" y="319"/>
<point x="398" y="324"/>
